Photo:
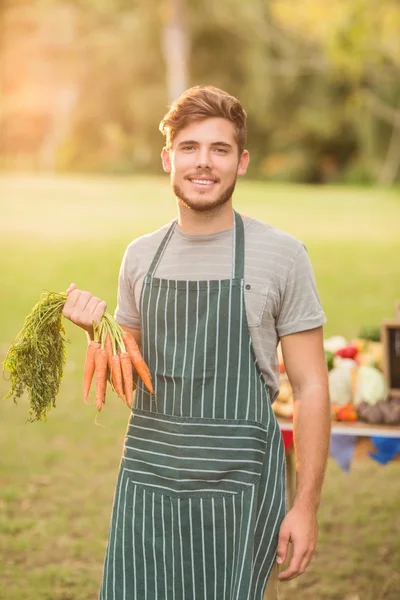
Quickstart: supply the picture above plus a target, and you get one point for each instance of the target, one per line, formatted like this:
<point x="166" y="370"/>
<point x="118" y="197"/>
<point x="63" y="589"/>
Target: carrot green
<point x="37" y="356"/>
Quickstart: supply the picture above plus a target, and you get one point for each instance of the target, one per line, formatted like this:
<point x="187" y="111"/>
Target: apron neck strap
<point x="161" y="249"/>
<point x="237" y="249"/>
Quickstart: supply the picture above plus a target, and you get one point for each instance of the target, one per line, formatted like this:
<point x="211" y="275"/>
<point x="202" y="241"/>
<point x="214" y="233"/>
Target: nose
<point x="203" y="158"/>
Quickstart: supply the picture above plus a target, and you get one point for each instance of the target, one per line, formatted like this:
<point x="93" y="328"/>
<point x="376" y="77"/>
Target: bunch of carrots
<point x="110" y="357"/>
<point x="36" y="358"/>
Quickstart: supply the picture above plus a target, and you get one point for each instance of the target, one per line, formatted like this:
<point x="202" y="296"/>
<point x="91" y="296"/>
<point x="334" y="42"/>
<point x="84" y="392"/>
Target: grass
<point x="57" y="479"/>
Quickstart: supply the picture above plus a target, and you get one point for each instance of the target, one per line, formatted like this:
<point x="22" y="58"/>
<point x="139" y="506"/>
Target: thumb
<point x="283" y="543"/>
<point x="71" y="288"/>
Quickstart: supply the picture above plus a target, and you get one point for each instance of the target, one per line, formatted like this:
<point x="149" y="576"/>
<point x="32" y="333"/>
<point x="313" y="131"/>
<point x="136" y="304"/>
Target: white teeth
<point x="202" y="181"/>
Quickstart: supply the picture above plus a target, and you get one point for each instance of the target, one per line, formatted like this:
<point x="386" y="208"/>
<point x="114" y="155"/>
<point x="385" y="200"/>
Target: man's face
<point x="204" y="164"/>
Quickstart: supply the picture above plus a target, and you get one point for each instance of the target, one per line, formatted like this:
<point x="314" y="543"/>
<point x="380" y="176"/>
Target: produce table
<point x="362" y="431"/>
<point x="356" y="428"/>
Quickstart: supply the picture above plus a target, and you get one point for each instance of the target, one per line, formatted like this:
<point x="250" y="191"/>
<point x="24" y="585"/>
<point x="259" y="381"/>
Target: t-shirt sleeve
<point x="127" y="312"/>
<point x="300" y="307"/>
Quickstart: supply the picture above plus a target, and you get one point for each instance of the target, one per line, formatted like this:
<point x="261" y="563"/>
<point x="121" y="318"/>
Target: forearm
<point x="311" y="425"/>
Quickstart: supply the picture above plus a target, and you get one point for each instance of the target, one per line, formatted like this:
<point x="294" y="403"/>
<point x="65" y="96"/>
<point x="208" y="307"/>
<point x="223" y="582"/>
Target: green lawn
<point x="57" y="479"/>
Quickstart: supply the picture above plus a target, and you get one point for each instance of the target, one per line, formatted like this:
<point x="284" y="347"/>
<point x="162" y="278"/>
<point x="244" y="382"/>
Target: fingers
<point x="98" y="311"/>
<point x="306" y="561"/>
<point x="82" y="308"/>
<point x="299" y="562"/>
<point x="283" y="545"/>
<point x="294" y="566"/>
<point x="72" y="287"/>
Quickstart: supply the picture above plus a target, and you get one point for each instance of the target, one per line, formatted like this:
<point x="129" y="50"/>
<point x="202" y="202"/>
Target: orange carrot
<point x="88" y="370"/>
<point x="137" y="360"/>
<point x="109" y="348"/>
<point x="117" y="375"/>
<point x="101" y="377"/>
<point x="126" y="367"/>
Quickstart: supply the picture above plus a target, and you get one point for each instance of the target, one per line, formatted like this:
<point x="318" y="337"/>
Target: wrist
<point x="307" y="500"/>
<point x="89" y="333"/>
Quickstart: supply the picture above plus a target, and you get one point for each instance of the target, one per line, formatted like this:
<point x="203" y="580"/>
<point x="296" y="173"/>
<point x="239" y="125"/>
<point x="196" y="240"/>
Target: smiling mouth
<point x="203" y="181"/>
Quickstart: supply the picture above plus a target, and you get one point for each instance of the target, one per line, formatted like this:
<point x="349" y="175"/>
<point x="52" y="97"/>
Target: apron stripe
<point x="123" y="543"/>
<point x="155" y="340"/>
<point x="191" y="548"/>
<point x="214" y="401"/>
<point x="175" y="348"/>
<point x="133" y="543"/>
<point x="233" y="547"/>
<point x="194" y="351"/>
<point x="203" y="547"/>
<point x="181" y="548"/>
<point x="148" y="335"/>
<point x="165" y="348"/>
<point x="115" y="535"/>
<point x="205" y="349"/>
<point x="173" y="550"/>
<point x="144" y="543"/>
<point x="227" y="364"/>
<point x="225" y="563"/>
<point x="239" y="549"/>
<point x="234" y="460"/>
<point x="215" y="549"/>
<point x="154" y="546"/>
<point x="195" y="470"/>
<point x="163" y="544"/>
<point x="184" y="344"/>
<point x="249" y="381"/>
<point x="239" y="358"/>
<point x="203" y="424"/>
<point x="189" y="435"/>
<point x="246" y="542"/>
<point x="224" y="448"/>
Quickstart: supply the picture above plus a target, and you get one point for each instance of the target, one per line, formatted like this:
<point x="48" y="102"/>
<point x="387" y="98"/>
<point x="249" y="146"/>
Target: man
<point x="199" y="508"/>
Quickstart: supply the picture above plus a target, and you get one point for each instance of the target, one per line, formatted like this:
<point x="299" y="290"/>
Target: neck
<point x="205" y="222"/>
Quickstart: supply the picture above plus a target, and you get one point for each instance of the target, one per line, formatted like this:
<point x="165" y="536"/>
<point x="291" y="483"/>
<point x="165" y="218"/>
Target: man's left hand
<point x="299" y="528"/>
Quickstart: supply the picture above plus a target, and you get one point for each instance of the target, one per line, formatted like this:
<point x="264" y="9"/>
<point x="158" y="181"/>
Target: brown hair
<point x="204" y="102"/>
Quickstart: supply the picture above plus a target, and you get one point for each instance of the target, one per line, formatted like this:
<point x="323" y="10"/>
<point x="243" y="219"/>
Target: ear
<point x="166" y="160"/>
<point x="243" y="163"/>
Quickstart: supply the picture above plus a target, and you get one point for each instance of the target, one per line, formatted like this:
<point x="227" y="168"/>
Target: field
<point x="57" y="478"/>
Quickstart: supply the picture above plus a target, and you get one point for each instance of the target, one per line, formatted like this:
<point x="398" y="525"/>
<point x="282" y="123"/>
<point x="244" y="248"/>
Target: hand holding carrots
<point x="83" y="309"/>
<point x="111" y="354"/>
<point x="35" y="360"/>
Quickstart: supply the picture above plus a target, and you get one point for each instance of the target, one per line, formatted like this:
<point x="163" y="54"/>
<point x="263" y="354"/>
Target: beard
<point x="200" y="205"/>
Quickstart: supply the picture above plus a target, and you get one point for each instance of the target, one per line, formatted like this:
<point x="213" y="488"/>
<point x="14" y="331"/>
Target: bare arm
<point x="304" y="359"/>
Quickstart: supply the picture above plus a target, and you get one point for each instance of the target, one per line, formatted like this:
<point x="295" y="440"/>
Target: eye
<point x="188" y="148"/>
<point x="221" y="150"/>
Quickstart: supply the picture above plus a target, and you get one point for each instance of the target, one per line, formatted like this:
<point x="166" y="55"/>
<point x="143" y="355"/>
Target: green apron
<point x="201" y="489"/>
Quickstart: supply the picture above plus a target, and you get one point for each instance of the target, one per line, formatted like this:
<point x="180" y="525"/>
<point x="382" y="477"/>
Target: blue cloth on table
<point x="387" y="448"/>
<point x="342" y="449"/>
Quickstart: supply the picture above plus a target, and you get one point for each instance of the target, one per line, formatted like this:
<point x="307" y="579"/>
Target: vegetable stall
<point x="364" y="387"/>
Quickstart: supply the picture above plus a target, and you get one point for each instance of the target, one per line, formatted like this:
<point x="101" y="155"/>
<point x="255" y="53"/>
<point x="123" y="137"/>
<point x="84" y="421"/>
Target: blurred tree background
<point x="84" y="83"/>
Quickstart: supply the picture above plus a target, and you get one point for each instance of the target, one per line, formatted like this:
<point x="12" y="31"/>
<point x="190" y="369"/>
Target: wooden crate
<point x="391" y="356"/>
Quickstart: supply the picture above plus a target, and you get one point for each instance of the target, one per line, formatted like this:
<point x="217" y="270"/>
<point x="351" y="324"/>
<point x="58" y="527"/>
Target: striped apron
<point x="201" y="489"/>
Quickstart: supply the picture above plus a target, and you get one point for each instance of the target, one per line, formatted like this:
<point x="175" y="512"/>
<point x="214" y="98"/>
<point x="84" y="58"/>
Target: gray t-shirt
<point x="282" y="298"/>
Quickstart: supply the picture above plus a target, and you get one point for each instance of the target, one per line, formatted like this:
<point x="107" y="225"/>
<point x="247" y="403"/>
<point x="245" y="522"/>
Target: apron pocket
<point x="255" y="296"/>
<point x="193" y="457"/>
